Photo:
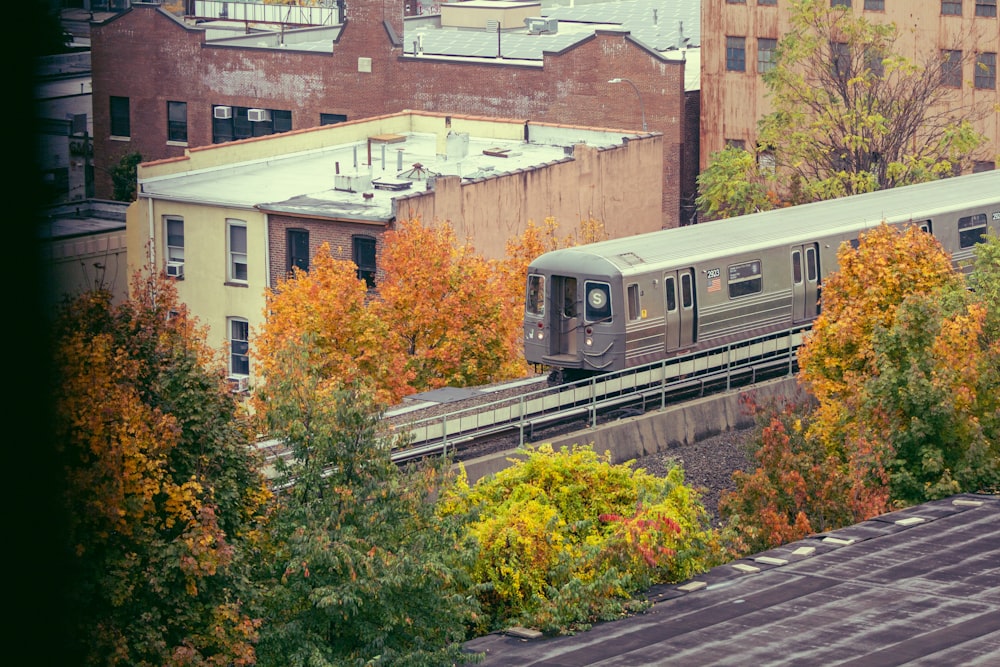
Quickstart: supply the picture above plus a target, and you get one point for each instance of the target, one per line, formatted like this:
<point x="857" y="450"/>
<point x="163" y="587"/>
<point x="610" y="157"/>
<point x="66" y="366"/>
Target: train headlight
<point x="588" y="341"/>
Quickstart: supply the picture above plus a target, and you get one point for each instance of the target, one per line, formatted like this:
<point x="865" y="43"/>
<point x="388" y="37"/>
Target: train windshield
<point x="534" y="302"/>
<point x="598" y="301"/>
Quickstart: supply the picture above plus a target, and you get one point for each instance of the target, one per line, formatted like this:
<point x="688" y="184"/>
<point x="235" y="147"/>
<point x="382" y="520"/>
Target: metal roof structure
<point x="919" y="587"/>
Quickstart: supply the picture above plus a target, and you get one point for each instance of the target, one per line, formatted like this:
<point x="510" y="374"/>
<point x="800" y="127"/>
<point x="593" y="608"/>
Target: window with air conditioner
<point x="222" y="113"/>
<point x="258" y="115"/>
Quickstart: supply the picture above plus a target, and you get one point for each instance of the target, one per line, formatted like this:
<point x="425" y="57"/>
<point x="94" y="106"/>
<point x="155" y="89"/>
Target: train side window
<point x="633" y="302"/>
<point x="796" y="267"/>
<point x="687" y="296"/>
<point x="598" y="301"/>
<point x="671" y="294"/>
<point x="855" y="243"/>
<point x="535" y="301"/>
<point x="926" y="226"/>
<point x="745" y="279"/>
<point x="971" y="230"/>
<point x="811" y="269"/>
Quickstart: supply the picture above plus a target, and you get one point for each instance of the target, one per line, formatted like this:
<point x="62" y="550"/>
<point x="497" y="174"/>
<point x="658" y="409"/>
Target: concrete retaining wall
<point x="653" y="432"/>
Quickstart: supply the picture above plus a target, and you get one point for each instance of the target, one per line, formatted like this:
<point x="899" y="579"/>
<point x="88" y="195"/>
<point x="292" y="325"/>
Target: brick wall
<point x="338" y="234"/>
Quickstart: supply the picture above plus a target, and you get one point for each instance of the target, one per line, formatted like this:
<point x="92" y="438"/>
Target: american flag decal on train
<point x="714" y="280"/>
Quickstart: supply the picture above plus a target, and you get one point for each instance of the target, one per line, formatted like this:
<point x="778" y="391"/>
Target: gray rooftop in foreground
<point x="81" y="218"/>
<point x="918" y="587"/>
<point x="305" y="183"/>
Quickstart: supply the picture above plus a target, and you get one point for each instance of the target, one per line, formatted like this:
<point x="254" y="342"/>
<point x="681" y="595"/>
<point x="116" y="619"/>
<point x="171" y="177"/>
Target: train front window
<point x="745" y="279"/>
<point x="598" y="301"/>
<point x="534" y="302"/>
<point x="971" y="230"/>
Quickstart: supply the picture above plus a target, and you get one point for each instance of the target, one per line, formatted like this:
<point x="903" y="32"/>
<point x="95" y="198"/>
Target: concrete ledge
<point x="653" y="432"/>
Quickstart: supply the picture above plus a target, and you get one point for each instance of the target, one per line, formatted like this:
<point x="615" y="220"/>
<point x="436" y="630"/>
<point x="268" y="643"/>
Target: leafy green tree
<point x="851" y="114"/>
<point x="566" y="538"/>
<point x="733" y="184"/>
<point x="163" y="493"/>
<point x="124" y="176"/>
<point x="359" y="570"/>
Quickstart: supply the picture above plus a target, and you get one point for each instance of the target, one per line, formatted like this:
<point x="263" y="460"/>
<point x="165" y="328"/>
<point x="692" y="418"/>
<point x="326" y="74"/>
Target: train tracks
<point x="518" y="413"/>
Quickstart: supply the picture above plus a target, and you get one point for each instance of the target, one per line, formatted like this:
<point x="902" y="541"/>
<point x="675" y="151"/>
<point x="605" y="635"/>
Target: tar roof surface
<point x="917" y="587"/>
<point x="795" y="224"/>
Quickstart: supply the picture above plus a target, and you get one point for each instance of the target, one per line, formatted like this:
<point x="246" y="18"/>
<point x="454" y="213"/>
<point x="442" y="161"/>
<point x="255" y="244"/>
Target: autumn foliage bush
<point x="566" y="538"/>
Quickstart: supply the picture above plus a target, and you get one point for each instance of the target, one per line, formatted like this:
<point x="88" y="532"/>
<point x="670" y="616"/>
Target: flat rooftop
<point x="338" y="182"/>
<point x="917" y="587"/>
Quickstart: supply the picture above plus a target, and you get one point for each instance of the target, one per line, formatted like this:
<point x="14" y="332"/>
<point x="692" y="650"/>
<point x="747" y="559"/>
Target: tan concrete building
<point x="229" y="220"/>
<point x="739" y="38"/>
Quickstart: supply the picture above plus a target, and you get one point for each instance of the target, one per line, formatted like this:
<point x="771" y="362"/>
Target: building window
<point x="986" y="71"/>
<point x="332" y="118"/>
<point x="765" y="161"/>
<point x="736" y="143"/>
<point x="951" y="7"/>
<point x="766" y="49"/>
<point x="174" y="228"/>
<point x="736" y="54"/>
<point x="237" y="250"/>
<point x="986" y="8"/>
<point x="239" y="346"/>
<point x="767" y="2"/>
<point x="229" y="123"/>
<point x="951" y="69"/>
<point x="981" y="166"/>
<point x="745" y="279"/>
<point x="840" y="3"/>
<point x="874" y="62"/>
<point x="840" y="59"/>
<point x="736" y="2"/>
<point x="120" y="124"/>
<point x="364" y="258"/>
<point x="177" y="121"/>
<point x="875" y="5"/>
<point x="297" y="249"/>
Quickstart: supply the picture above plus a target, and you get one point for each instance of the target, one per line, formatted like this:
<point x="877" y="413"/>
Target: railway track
<point x="527" y="416"/>
<point x="507" y="416"/>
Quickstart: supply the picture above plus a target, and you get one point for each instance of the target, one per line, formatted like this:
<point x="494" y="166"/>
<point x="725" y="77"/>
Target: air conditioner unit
<point x="222" y="112"/>
<point x="257" y="115"/>
<point x="175" y="269"/>
<point x="238" y="384"/>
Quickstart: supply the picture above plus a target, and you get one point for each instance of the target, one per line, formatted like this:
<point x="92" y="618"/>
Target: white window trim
<point x="231" y="255"/>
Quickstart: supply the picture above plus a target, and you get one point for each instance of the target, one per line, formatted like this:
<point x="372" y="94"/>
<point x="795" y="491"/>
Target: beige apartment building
<point x="227" y="221"/>
<point x="739" y="38"/>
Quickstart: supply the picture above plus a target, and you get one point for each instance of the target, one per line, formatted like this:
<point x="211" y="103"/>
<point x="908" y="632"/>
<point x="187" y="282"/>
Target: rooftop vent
<point x="352" y="183"/>
<point x="395" y="184"/>
<point x="540" y="25"/>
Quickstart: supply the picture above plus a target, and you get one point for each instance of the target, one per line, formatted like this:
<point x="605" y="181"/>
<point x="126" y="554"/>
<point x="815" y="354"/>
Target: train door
<point x="805" y="282"/>
<point x="564" y="316"/>
<point x="678" y="294"/>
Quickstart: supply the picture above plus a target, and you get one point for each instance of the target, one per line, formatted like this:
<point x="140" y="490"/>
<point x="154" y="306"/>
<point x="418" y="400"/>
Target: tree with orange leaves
<point x="162" y="491"/>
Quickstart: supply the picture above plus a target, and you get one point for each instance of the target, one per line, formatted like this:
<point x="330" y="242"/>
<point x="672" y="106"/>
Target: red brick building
<point x="159" y="79"/>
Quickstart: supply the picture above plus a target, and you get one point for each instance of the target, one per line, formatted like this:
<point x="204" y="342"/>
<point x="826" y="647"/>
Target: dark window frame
<point x="294" y="250"/>
<point x="736" y="53"/>
<point x="951" y="66"/>
<point x="594" y="313"/>
<point x="985" y="75"/>
<point x="766" y="56"/>
<point x="951" y="7"/>
<point x="121" y="121"/>
<point x="364" y="252"/>
<point x="534" y="302"/>
<point x="239" y="346"/>
<point x="236" y="249"/>
<point x="177" y="125"/>
<point x="875" y="5"/>
<point x="986" y="8"/>
<point x="173" y="241"/>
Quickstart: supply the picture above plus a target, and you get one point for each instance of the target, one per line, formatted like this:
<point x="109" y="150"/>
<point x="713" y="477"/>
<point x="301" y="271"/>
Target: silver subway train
<point x="625" y="302"/>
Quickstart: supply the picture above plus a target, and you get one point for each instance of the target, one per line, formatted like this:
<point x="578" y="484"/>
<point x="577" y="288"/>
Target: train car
<point x="625" y="302"/>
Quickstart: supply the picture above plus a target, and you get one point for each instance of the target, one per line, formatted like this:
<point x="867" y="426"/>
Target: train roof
<point x="845" y="216"/>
